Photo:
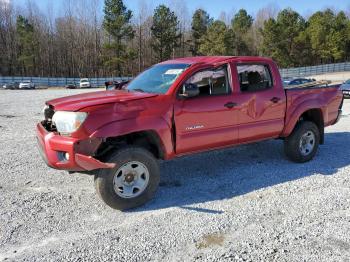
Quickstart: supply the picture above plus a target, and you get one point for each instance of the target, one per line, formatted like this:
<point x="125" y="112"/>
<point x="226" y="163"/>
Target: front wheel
<point x="301" y="146"/>
<point x="132" y="182"/>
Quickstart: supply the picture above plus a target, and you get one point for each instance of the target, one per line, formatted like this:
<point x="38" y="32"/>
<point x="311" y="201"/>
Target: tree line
<point x="82" y="43"/>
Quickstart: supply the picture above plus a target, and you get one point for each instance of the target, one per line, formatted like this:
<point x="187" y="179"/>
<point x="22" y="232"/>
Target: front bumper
<point x="53" y="147"/>
<point x="340" y="111"/>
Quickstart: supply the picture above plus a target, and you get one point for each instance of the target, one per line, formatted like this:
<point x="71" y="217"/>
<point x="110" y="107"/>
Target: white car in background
<point x="345" y="87"/>
<point x="26" y="84"/>
<point x="84" y="83"/>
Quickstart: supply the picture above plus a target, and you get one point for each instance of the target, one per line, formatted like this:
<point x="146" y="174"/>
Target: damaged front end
<point x="66" y="152"/>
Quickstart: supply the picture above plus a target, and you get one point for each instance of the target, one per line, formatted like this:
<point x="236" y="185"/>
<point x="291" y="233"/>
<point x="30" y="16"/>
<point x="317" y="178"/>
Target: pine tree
<point x="242" y="21"/>
<point x="217" y="41"/>
<point x="282" y="38"/>
<point x="200" y="23"/>
<point x="117" y="24"/>
<point x="241" y="24"/>
<point x="329" y="35"/>
<point x="28" y="46"/>
<point x="164" y="32"/>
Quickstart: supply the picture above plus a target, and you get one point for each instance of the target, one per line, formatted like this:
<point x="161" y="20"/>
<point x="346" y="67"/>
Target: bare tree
<point x="142" y="29"/>
<point x="347" y="12"/>
<point x="7" y="39"/>
<point x="225" y="17"/>
<point x="263" y="14"/>
<point x="183" y="15"/>
<point x="70" y="42"/>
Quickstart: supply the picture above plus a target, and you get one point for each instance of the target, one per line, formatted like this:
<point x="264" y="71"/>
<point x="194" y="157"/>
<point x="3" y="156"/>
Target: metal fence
<point x="315" y="70"/>
<point x="58" y="81"/>
<point x="96" y="82"/>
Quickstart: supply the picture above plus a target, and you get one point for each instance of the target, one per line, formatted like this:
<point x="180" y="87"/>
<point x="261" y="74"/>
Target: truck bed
<point x="314" y="84"/>
<point x="325" y="99"/>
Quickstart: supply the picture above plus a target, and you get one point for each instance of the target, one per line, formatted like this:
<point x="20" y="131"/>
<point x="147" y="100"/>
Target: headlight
<point x="68" y="122"/>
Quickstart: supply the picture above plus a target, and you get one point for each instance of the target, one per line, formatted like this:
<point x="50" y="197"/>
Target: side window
<point x="254" y="77"/>
<point x="211" y="82"/>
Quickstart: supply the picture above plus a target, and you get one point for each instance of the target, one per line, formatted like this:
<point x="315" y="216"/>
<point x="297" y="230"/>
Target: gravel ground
<point x="243" y="204"/>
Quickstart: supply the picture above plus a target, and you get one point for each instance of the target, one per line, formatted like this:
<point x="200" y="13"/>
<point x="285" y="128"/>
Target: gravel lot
<point x="246" y="203"/>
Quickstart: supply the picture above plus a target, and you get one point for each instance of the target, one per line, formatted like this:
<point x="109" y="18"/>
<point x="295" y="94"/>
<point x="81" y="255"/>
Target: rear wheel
<point x="132" y="182"/>
<point x="301" y="146"/>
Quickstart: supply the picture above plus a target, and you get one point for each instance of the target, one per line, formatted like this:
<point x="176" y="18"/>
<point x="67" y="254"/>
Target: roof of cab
<point x="215" y="59"/>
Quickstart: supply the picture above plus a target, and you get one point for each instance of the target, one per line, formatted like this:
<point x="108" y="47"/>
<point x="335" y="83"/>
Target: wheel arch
<point x="152" y="134"/>
<point x="314" y="115"/>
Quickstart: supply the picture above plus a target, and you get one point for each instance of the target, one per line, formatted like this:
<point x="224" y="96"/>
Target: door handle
<point x="275" y="99"/>
<point x="230" y="104"/>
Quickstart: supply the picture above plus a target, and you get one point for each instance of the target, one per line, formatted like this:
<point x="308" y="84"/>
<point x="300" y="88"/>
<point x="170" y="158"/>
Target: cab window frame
<point x="266" y="66"/>
<point x="228" y="78"/>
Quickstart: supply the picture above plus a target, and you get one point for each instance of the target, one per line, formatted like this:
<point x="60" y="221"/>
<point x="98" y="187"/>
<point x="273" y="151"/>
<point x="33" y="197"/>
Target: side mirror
<point x="122" y="85"/>
<point x="189" y="90"/>
<point x="116" y="85"/>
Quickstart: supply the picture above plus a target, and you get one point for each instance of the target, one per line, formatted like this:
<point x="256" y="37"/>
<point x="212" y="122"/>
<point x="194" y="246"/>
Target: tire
<point x="294" y="147"/>
<point x="112" y="193"/>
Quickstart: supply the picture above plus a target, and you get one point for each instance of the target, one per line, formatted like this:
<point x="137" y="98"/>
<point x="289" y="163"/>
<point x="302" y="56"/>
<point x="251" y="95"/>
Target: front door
<point x="208" y="120"/>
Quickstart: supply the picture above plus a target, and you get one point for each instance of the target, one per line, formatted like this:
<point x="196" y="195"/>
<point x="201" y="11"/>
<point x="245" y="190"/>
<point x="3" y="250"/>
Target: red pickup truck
<point x="180" y="107"/>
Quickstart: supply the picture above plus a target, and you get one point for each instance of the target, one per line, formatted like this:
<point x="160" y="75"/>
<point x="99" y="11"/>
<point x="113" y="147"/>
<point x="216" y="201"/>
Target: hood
<point x="77" y="102"/>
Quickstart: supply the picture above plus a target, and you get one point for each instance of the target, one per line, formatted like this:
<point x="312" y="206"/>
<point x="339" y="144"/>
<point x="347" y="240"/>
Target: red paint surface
<point x="256" y="117"/>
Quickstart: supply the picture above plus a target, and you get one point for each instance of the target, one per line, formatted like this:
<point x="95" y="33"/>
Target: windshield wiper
<point x="138" y="90"/>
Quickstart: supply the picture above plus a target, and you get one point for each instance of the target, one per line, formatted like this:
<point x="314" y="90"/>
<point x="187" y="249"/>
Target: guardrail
<point x="315" y="70"/>
<point x="59" y="81"/>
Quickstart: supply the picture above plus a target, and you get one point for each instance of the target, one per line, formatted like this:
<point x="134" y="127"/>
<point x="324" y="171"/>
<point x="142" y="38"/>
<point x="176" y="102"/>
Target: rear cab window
<point x="254" y="77"/>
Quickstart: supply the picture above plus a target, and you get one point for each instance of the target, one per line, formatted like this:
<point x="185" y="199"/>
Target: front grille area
<point x="49" y="126"/>
<point x="48" y="112"/>
<point x="47" y="123"/>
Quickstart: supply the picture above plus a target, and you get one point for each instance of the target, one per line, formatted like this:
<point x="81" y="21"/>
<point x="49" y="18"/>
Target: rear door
<point x="210" y="119"/>
<point x="262" y="102"/>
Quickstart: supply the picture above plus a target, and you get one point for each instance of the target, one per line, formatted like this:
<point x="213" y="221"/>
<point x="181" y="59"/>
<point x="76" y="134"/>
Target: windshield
<point x="347" y="82"/>
<point x="158" y="78"/>
<point x="83" y="80"/>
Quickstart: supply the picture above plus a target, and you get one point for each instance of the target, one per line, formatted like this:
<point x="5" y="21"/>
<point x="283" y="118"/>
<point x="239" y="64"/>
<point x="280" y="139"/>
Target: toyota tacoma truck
<point x="180" y="107"/>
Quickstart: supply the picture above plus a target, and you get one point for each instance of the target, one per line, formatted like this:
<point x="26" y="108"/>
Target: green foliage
<point x="72" y="46"/>
<point x="117" y="24"/>
<point x="329" y="35"/>
<point x="242" y="21"/>
<point x="292" y="41"/>
<point x="28" y="46"/>
<point x="302" y="50"/>
<point x="164" y="32"/>
<point x="241" y="24"/>
<point x="283" y="37"/>
<point x="117" y="19"/>
<point x="200" y="23"/>
<point x="217" y="40"/>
